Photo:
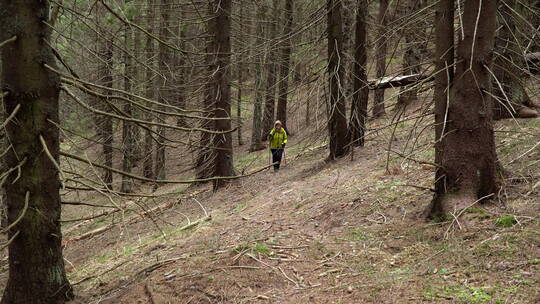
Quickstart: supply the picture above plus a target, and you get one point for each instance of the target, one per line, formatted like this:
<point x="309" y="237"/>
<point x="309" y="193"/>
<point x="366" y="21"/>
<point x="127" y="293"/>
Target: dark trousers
<point x="277" y="154"/>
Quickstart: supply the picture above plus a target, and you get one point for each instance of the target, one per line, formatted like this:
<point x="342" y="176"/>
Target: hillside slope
<point x="344" y="232"/>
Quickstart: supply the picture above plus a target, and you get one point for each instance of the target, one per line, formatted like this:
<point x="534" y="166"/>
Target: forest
<point x="269" y="151"/>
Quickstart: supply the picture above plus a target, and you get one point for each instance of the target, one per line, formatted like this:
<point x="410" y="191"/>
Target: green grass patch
<point x="260" y="248"/>
<point x="459" y="294"/>
<point x="250" y="159"/>
<point x="358" y="234"/>
<point x="103" y="258"/>
<point x="475" y="210"/>
<point x="240" y="207"/>
<point x="479" y="213"/>
<point x="506" y="221"/>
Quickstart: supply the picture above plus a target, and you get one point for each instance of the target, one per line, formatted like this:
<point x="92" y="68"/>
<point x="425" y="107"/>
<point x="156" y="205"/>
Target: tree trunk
<point x="357" y="123"/>
<point x="219" y="29"/>
<point x="467" y="149"/>
<point x="36" y="265"/>
<point x="511" y="98"/>
<point x="105" y="123"/>
<point x="347" y="17"/>
<point x="181" y="70"/>
<point x="444" y="64"/>
<point x="128" y="136"/>
<point x="138" y="80"/>
<point x="412" y="56"/>
<point x="205" y="157"/>
<point x="285" y="61"/>
<point x="148" y="154"/>
<point x="270" y="98"/>
<point x="381" y="46"/>
<point x="239" y="106"/>
<point x="240" y="67"/>
<point x="257" y="100"/>
<point x="165" y="60"/>
<point x="3" y="206"/>
<point x="337" y="121"/>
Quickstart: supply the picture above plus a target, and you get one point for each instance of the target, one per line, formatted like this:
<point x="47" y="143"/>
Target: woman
<point x="277" y="139"/>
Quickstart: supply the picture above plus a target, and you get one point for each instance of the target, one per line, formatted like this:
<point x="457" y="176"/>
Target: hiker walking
<point x="277" y="139"/>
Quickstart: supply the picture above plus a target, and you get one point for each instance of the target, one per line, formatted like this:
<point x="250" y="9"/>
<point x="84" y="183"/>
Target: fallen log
<point x="397" y="81"/>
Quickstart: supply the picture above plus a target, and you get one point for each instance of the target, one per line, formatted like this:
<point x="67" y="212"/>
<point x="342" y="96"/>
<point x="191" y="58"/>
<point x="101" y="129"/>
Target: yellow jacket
<point x="277" y="138"/>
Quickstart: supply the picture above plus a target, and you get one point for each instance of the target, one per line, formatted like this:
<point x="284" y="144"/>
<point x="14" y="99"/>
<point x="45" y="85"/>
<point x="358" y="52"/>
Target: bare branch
<point x="4" y="43"/>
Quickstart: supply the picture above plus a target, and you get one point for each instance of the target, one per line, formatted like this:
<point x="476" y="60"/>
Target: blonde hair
<point x="277" y="123"/>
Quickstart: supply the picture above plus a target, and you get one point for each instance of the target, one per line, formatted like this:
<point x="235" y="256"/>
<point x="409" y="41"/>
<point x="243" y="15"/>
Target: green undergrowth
<point x="459" y="294"/>
<point x="256" y="248"/>
<point x="506" y="221"/>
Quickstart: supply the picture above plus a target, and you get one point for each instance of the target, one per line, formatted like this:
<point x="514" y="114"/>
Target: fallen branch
<point x="134" y="219"/>
<point x="99" y="274"/>
<point x="5" y="42"/>
<point x="397" y="81"/>
<point x="129" y="221"/>
<point x="196" y="223"/>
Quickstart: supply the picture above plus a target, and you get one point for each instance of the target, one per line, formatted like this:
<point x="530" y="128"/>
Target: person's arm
<point x="270" y="135"/>
<point x="284" y="138"/>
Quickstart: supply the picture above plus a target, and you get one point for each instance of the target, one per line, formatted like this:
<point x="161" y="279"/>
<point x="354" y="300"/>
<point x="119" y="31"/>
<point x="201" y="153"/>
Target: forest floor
<point x="349" y="231"/>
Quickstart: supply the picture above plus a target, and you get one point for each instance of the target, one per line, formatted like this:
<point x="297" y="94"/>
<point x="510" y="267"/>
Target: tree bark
<point x="467" y="149"/>
<point x="357" y="123"/>
<point x="337" y="121"/>
<point x="204" y="163"/>
<point x="239" y="105"/>
<point x="285" y="61"/>
<point x="3" y="206"/>
<point x="257" y="100"/>
<point x="36" y="265"/>
<point x="348" y="15"/>
<point x="165" y="61"/>
<point x="444" y="65"/>
<point x="381" y="46"/>
<point x="220" y="54"/>
<point x="412" y="56"/>
<point x="138" y="80"/>
<point x="104" y="124"/>
<point x="269" y="112"/>
<point x="240" y="68"/>
<point x="128" y="134"/>
<point x="181" y="73"/>
<point x="148" y="154"/>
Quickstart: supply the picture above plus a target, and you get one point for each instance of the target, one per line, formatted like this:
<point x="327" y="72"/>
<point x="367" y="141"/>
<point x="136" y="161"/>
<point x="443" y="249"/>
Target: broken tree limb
<point x="131" y="220"/>
<point x="5" y="42"/>
<point x="134" y="219"/>
<point x="397" y="81"/>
